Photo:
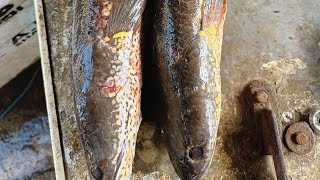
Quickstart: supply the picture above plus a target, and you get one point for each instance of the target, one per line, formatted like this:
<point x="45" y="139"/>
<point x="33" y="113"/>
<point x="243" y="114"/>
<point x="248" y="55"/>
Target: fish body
<point x="188" y="40"/>
<point x="107" y="82"/>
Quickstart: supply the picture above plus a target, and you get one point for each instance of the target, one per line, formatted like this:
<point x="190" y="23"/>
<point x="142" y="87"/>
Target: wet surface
<point x="26" y="151"/>
<point x="25" y="148"/>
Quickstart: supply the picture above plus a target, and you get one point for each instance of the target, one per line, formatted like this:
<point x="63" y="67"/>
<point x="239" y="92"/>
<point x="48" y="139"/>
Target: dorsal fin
<point x="124" y="14"/>
<point x="213" y="13"/>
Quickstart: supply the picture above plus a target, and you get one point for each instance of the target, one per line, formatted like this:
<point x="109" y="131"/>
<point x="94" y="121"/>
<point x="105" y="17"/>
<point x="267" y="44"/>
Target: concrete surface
<point x="272" y="40"/>
<point x="275" y="41"/>
<point x="25" y="147"/>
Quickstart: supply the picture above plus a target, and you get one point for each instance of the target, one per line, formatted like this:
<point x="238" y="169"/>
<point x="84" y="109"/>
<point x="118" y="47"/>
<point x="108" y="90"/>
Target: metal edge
<point x="49" y="93"/>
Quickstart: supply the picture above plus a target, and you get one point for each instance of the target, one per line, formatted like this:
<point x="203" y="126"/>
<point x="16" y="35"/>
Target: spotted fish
<point x="106" y="65"/>
<point x="188" y="36"/>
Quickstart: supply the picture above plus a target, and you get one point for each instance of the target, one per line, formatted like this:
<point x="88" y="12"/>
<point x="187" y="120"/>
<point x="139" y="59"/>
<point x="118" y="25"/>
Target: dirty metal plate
<point x="276" y="41"/>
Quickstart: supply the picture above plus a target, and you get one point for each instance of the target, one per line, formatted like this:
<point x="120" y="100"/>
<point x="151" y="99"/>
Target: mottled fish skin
<point x="108" y="80"/>
<point x="188" y="51"/>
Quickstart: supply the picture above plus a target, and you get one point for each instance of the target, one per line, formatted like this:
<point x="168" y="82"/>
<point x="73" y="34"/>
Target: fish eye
<point x="196" y="153"/>
<point x="97" y="173"/>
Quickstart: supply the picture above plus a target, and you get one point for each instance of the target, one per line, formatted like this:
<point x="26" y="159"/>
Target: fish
<point x="187" y="50"/>
<point x="107" y="79"/>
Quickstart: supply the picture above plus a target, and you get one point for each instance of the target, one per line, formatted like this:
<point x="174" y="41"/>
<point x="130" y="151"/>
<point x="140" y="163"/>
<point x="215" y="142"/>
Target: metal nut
<point x="314" y="120"/>
<point x="287" y="116"/>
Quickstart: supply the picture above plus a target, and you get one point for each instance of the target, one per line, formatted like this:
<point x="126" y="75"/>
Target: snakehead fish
<point x="106" y="64"/>
<point x="188" y="52"/>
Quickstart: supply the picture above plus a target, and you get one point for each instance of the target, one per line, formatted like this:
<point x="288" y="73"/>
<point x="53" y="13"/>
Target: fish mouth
<point x="197" y="177"/>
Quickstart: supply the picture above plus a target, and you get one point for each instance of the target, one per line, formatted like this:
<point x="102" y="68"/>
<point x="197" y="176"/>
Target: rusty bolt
<point x="262" y="96"/>
<point x="301" y="138"/>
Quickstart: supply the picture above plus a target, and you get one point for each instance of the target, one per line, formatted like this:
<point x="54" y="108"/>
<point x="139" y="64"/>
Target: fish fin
<point x="124" y="15"/>
<point x="213" y="14"/>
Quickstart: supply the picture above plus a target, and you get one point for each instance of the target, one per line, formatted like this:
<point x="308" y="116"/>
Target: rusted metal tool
<point x="260" y="97"/>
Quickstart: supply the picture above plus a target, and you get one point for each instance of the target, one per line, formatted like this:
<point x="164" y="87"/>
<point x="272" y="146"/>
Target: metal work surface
<point x="269" y="40"/>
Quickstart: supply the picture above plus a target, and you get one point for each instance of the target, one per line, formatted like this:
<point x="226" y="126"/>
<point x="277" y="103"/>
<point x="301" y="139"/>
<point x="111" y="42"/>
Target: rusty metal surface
<point x="262" y="104"/>
<point x="276" y="41"/>
<point x="273" y="142"/>
<point x="300" y="138"/>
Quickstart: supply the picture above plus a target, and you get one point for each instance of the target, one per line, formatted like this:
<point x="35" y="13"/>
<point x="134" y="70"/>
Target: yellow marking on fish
<point x="107" y="8"/>
<point x="105" y="2"/>
<point x="218" y="100"/>
<point x="217" y="113"/>
<point x="106" y="12"/>
<point x="210" y="35"/>
<point x="202" y="33"/>
<point x="121" y="34"/>
<point x="218" y="104"/>
<point x="209" y="32"/>
<point x="119" y="44"/>
<point x="212" y="38"/>
<point x="106" y="39"/>
<point x="212" y="31"/>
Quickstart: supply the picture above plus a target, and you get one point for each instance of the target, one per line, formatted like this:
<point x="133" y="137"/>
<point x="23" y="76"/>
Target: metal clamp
<point x="260" y="97"/>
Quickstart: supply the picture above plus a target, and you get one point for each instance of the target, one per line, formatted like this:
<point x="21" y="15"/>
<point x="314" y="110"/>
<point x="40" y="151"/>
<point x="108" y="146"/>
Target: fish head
<point x="192" y="138"/>
<point x="194" y="112"/>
